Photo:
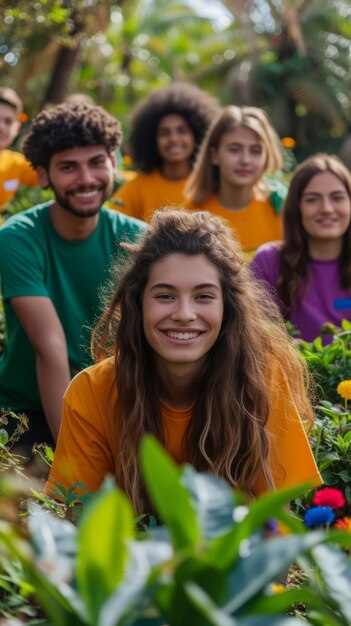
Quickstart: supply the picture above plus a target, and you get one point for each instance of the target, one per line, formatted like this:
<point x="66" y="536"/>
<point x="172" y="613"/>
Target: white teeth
<point x="86" y="194"/>
<point x="183" y="336"/>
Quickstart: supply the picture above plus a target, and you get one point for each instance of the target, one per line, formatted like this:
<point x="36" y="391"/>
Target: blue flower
<point x="319" y="515"/>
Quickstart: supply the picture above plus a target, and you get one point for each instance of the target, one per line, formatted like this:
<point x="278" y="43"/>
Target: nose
<point x="184" y="311"/>
<point x="85" y="175"/>
<point x="173" y="135"/>
<point x="245" y="155"/>
<point x="327" y="205"/>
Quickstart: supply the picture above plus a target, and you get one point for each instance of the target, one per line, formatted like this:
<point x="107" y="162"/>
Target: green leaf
<point x="266" y="561"/>
<point x="207" y="608"/>
<point x="212" y="499"/>
<point x="269" y="620"/>
<point x="224" y="550"/>
<point x="4" y="436"/>
<point x="345" y="476"/>
<point x="163" y="479"/>
<point x="282" y="602"/>
<point x="134" y="592"/>
<point x="317" y="343"/>
<point x="335" y="568"/>
<point x="105" y="528"/>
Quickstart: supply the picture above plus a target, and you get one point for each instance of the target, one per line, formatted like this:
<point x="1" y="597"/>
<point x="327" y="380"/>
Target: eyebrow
<point x="173" y="288"/>
<point x="318" y="193"/>
<point x="257" y="144"/>
<point x="74" y="161"/>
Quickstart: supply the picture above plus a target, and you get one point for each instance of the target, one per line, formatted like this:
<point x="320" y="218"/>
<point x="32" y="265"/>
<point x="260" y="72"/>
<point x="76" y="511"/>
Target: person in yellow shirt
<point x="15" y="170"/>
<point x="189" y="349"/>
<point x="166" y="130"/>
<point x="239" y="149"/>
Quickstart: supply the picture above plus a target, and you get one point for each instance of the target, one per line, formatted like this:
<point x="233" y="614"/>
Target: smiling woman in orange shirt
<point x="239" y="148"/>
<point x="166" y="131"/>
<point x="191" y="351"/>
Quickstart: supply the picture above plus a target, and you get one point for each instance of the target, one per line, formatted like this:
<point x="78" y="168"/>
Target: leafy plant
<point x="209" y="565"/>
<point x="26" y="198"/>
<point x="330" y="363"/>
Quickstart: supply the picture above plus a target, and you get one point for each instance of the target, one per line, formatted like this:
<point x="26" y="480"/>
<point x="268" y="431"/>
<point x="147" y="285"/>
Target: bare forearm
<point x="53" y="379"/>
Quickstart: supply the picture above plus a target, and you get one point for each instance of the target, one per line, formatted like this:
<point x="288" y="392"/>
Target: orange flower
<point x="23" y="117"/>
<point x="288" y="142"/>
<point x="344" y="523"/>
<point x="344" y="389"/>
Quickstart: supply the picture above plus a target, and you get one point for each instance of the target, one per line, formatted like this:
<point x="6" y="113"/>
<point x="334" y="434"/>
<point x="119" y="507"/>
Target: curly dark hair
<point x="193" y="104"/>
<point x="70" y="126"/>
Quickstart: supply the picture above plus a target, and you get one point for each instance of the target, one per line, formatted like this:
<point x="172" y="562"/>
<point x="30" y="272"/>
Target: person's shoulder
<point x="13" y="156"/>
<point x="135" y="183"/>
<point x="96" y="378"/>
<point x="269" y="250"/>
<point x="26" y="220"/>
<point x="121" y="221"/>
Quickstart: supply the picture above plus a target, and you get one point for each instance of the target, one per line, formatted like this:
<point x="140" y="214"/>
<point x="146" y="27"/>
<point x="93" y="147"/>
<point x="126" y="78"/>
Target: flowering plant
<point x="328" y="510"/>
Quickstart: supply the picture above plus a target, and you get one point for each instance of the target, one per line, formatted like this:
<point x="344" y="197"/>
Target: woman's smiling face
<point x="325" y="208"/>
<point x="182" y="309"/>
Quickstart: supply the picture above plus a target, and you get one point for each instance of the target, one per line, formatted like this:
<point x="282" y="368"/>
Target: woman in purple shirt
<point x="310" y="271"/>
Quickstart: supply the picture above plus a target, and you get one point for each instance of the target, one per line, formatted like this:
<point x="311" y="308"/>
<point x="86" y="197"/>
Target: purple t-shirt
<point x="324" y="300"/>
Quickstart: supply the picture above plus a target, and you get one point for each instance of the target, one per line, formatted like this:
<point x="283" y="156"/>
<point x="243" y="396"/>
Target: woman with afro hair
<point x="166" y="131"/>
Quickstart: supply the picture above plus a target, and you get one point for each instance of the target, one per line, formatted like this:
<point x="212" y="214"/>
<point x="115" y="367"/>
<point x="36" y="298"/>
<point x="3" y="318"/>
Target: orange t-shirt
<point x="144" y="194"/>
<point x="87" y="447"/>
<point x="254" y="225"/>
<point x="15" y="171"/>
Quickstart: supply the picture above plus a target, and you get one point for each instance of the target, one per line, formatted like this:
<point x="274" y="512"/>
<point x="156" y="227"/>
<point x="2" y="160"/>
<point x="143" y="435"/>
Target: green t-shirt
<point x="36" y="261"/>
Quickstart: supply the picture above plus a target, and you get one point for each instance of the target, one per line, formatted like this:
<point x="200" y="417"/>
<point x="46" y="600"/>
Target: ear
<point x="43" y="177"/>
<point x="213" y="156"/>
<point x="112" y="158"/>
<point x="16" y="128"/>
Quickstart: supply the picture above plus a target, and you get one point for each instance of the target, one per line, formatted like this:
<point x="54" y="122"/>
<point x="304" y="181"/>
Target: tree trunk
<point x="64" y="65"/>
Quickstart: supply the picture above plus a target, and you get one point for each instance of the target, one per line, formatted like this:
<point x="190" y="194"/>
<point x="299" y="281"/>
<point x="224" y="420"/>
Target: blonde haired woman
<point x="239" y="149"/>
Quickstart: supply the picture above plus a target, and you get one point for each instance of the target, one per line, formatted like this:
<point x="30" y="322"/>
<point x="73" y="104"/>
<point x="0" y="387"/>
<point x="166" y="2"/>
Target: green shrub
<point x="209" y="565"/>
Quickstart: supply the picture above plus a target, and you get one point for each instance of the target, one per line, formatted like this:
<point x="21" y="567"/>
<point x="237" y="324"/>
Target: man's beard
<point x="64" y="202"/>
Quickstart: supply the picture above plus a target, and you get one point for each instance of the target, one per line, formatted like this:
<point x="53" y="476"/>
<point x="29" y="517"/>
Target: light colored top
<point x="87" y="447"/>
<point x="144" y="194"/>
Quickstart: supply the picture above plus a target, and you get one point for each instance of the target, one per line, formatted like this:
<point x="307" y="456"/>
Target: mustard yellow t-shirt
<point x="254" y="225"/>
<point x="87" y="447"/>
<point x="15" y="171"/>
<point x="144" y="194"/>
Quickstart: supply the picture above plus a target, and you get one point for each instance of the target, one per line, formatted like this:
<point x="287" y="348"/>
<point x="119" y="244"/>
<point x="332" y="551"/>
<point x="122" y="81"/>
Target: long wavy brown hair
<point x="226" y="434"/>
<point x="294" y="260"/>
<point x="205" y="177"/>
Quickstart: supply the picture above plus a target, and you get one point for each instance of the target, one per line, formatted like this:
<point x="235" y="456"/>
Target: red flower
<point x="329" y="496"/>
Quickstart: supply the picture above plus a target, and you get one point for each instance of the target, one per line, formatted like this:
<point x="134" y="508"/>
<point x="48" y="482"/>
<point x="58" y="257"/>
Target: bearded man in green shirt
<point x="54" y="259"/>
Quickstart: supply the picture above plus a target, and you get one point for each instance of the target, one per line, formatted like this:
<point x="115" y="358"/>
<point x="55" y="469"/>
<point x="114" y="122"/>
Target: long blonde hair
<point x="205" y="178"/>
<point x="226" y="434"/>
